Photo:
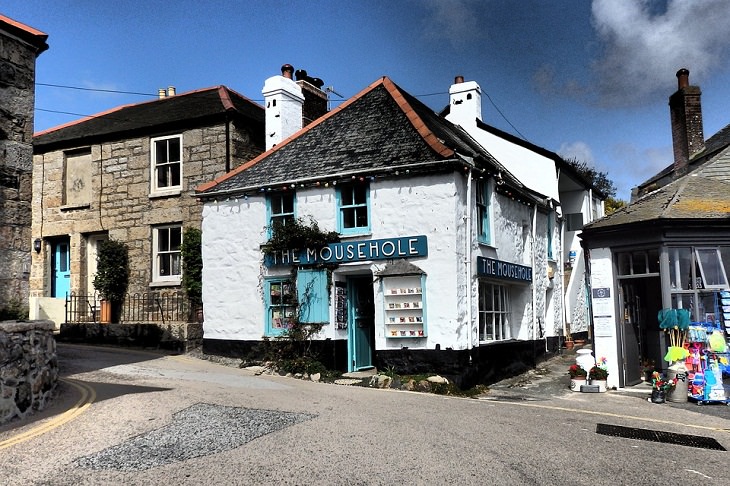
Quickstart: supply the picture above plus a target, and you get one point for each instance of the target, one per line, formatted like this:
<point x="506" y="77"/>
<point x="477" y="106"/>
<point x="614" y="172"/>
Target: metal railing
<point x="164" y="307"/>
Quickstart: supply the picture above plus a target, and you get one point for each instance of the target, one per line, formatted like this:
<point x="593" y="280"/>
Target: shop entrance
<point x="640" y="339"/>
<point x="361" y="322"/>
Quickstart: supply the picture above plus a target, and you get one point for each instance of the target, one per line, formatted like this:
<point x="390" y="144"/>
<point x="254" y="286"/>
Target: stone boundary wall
<point x="176" y="336"/>
<point x="28" y="367"/>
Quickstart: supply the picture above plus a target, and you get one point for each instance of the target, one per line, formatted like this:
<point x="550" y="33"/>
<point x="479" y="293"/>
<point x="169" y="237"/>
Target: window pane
<point x="175" y="238"/>
<point x="638" y="261"/>
<point x="288" y="204"/>
<point x="164" y="262"/>
<point x="711" y="268"/>
<point x="624" y="264"/>
<point x="360" y="195"/>
<point x="175" y="175"/>
<point x="174" y="150"/>
<point x="680" y="269"/>
<point x="362" y="217"/>
<point x="163" y="239"/>
<point x="348" y="218"/>
<point x="162" y="177"/>
<point x="347" y="197"/>
<point x="160" y="152"/>
<point x="653" y="256"/>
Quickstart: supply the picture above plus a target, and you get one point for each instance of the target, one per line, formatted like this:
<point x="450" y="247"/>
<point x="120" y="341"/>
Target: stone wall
<point x="17" y="77"/>
<point x="177" y="336"/>
<point x="28" y="367"/>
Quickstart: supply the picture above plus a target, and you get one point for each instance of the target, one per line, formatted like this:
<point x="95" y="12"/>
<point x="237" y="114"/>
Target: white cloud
<point x="644" y="47"/>
<point x="454" y="21"/>
<point x="579" y="151"/>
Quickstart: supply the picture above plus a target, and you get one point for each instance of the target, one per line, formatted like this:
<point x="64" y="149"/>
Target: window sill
<point x="170" y="193"/>
<point x="73" y="207"/>
<point x="165" y="283"/>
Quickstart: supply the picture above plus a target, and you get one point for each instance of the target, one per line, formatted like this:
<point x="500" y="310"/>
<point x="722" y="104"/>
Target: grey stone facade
<point x="28" y="367"/>
<point x="19" y="47"/>
<point x="121" y="203"/>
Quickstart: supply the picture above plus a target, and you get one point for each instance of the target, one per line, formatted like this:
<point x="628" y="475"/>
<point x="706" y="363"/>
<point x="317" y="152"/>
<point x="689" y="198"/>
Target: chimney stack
<point x="685" y="110"/>
<point x="283" y="100"/>
<point x="465" y="102"/>
<point x="315" y="100"/>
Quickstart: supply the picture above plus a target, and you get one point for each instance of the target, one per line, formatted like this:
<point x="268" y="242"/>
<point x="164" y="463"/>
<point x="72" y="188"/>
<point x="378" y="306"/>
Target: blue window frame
<point x="550" y="235"/>
<point x="280" y="304"/>
<point x="484" y="233"/>
<point x="312" y="295"/>
<point x="353" y="208"/>
<point x="280" y="208"/>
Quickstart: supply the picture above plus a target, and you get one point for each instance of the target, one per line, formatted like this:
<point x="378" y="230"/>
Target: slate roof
<point x="194" y="108"/>
<point x="702" y="194"/>
<point x="379" y="130"/>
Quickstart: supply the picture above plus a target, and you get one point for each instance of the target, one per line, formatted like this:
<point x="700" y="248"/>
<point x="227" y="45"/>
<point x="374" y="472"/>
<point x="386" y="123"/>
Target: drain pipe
<point x="468" y="256"/>
<point x="534" y="290"/>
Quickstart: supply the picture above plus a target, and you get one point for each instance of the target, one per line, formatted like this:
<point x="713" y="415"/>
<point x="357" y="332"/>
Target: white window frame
<point x="156" y="254"/>
<point x="499" y="313"/>
<point x="170" y="189"/>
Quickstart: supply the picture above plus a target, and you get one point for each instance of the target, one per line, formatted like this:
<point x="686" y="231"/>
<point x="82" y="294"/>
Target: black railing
<point x="163" y="307"/>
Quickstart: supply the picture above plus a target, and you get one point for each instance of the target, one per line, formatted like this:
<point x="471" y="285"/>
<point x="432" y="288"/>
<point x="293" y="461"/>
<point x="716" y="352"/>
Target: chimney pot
<point x="682" y="78"/>
<point x="458" y="79"/>
<point x="161" y="93"/>
<point x="287" y="70"/>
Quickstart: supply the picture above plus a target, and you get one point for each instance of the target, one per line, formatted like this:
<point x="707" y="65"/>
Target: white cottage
<point x="443" y="260"/>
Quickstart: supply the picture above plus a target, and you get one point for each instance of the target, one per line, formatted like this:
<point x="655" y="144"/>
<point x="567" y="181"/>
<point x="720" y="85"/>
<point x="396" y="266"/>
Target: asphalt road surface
<point x="140" y="418"/>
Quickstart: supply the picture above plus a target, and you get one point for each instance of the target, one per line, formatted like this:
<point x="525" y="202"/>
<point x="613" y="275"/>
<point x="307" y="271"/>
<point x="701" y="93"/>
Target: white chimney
<point x="465" y="102"/>
<point x="171" y="91"/>
<point x="283" y="100"/>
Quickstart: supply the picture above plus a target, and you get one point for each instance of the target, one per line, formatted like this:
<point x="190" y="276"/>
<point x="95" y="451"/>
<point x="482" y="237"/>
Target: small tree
<point x="112" y="274"/>
<point x="192" y="265"/>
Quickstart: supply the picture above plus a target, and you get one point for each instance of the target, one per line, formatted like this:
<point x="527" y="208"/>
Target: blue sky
<point x="586" y="79"/>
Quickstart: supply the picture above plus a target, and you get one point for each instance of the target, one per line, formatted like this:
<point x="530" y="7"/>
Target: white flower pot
<point x="576" y="383"/>
<point x="601" y="385"/>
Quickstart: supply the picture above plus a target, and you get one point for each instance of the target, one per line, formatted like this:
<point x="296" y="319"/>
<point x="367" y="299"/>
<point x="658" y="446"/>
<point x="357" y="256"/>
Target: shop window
<point x="483" y="197"/>
<point x="353" y="212"/>
<point x="312" y="296"/>
<point x="280" y="305"/>
<point x="493" y="312"/>
<point x="642" y="262"/>
<point x="279" y="209"/>
<point x="710" y="267"/>
<point x="680" y="268"/>
<point x="166" y="241"/>
<point x="166" y="159"/>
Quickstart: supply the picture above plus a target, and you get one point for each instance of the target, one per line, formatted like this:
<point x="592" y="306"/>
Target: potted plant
<point x="112" y="278"/>
<point x="192" y="271"/>
<point x="660" y="386"/>
<point x="598" y="376"/>
<point x="578" y="377"/>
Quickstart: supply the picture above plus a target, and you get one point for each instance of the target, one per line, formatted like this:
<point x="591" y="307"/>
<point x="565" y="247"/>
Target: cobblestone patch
<point x="200" y="430"/>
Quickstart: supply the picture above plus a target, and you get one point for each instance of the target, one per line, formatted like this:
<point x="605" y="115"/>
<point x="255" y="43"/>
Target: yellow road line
<point x="88" y="395"/>
<point x="604" y="414"/>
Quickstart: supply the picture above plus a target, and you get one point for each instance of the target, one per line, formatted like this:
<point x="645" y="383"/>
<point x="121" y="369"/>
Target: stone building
<point x="20" y="45"/>
<point x="442" y="261"/>
<point x="129" y="174"/>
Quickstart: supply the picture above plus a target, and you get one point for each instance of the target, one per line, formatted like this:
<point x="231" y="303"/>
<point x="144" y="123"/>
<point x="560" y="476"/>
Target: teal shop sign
<point x="353" y="251"/>
<point x="489" y="267"/>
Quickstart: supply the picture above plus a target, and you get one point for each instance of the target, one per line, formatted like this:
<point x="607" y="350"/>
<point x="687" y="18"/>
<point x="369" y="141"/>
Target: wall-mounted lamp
<point x="37" y="245"/>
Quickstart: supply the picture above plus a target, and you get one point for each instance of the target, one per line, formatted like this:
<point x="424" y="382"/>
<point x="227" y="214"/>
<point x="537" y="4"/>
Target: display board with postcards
<point x="404" y="307"/>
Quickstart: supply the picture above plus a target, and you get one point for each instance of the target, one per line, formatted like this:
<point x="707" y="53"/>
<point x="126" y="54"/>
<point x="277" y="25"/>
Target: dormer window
<point x="166" y="161"/>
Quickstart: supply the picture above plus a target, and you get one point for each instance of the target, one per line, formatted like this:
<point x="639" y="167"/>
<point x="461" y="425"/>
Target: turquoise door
<point x="61" y="268"/>
<point x="361" y="322"/>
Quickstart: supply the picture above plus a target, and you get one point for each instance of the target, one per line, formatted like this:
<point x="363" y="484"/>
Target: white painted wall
<point x="433" y="205"/>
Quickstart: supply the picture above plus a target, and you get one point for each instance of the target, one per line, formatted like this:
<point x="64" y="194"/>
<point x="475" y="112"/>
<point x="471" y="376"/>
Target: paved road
<point x="137" y="418"/>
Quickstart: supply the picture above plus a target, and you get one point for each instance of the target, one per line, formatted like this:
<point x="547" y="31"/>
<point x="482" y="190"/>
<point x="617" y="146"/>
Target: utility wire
<point x="215" y="95"/>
